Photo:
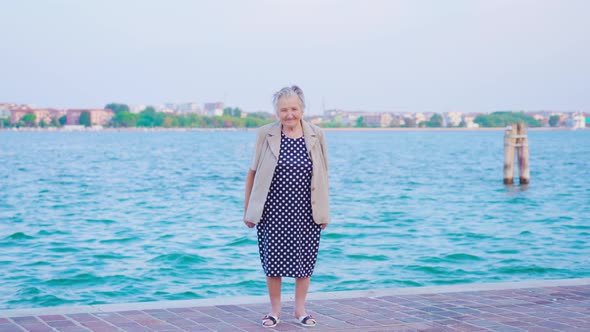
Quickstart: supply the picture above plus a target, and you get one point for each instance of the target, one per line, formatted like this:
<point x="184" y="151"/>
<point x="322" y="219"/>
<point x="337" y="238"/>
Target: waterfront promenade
<point x="548" y="305"/>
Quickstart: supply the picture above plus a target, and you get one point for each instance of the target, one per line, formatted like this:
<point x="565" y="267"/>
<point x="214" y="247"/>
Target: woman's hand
<point x="323" y="226"/>
<point x="249" y="224"/>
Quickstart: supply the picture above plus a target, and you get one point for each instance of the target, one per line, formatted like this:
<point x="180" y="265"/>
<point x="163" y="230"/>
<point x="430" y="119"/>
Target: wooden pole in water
<point x="523" y="155"/>
<point x="509" y="143"/>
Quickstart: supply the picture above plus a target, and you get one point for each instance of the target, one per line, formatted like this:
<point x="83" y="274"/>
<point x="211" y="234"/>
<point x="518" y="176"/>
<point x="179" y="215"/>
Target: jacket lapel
<point x="274" y="139"/>
<point x="310" y="135"/>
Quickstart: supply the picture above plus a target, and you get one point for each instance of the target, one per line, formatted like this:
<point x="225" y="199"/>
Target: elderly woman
<point x="287" y="200"/>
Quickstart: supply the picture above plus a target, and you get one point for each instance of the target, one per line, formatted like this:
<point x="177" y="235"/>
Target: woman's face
<point x="290" y="111"/>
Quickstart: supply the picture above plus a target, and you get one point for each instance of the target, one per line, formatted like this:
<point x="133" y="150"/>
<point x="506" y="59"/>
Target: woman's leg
<point x="301" y="287"/>
<point x="274" y="292"/>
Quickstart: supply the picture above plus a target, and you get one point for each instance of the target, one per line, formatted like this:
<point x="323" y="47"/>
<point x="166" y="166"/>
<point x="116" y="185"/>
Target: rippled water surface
<point x="111" y="217"/>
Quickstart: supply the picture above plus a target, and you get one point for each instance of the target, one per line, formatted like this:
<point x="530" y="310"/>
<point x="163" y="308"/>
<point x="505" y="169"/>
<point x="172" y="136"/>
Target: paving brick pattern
<point x="543" y="309"/>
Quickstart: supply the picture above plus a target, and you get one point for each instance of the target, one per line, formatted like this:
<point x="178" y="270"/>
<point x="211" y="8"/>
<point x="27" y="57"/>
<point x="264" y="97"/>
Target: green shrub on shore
<point x="502" y="119"/>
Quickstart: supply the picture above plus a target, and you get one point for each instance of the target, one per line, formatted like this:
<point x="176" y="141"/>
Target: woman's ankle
<point x="275" y="312"/>
<point x="299" y="313"/>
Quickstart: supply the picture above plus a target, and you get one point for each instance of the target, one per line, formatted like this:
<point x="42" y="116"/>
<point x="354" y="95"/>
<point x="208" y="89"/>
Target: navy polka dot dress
<point x="288" y="238"/>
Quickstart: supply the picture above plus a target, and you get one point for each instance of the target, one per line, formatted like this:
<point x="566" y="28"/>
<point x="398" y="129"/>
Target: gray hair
<point x="289" y="91"/>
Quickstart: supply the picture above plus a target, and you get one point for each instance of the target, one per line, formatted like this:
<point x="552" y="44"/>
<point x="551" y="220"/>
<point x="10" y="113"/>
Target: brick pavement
<point x="539" y="309"/>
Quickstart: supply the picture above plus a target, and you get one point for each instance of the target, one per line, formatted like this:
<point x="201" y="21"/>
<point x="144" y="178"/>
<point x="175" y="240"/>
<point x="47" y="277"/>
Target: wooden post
<point x="509" y="143"/>
<point x="523" y="154"/>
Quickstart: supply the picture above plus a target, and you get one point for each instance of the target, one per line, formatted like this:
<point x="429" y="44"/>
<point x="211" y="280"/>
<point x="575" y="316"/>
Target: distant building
<point x="17" y="113"/>
<point x="386" y="120"/>
<point x="189" y="108"/>
<point x="214" y="109"/>
<point x="137" y="108"/>
<point x="563" y="119"/>
<point x="469" y="122"/>
<point x="349" y="119"/>
<point x="101" y="117"/>
<point x="405" y="119"/>
<point x="420" y="117"/>
<point x="330" y="114"/>
<point x="453" y="119"/>
<point x="183" y="108"/>
<point x="5" y="110"/>
<point x="541" y="118"/>
<point x="577" y="121"/>
<point x="316" y="120"/>
<point x="98" y="117"/>
<point x="397" y="121"/>
<point x="163" y="109"/>
<point x="333" y="116"/>
<point x="377" y="119"/>
<point x="48" y="115"/>
<point x="42" y="115"/>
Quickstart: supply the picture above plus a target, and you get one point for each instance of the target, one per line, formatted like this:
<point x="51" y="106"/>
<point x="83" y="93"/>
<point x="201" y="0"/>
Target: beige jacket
<point x="266" y="155"/>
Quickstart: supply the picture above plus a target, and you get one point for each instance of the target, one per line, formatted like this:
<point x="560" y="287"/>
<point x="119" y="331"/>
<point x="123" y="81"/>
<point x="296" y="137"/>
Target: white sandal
<point x="307" y="321"/>
<point x="270" y="318"/>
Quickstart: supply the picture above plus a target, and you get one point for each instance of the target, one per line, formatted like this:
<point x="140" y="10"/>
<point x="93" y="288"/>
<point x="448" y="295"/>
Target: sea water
<point x="113" y="217"/>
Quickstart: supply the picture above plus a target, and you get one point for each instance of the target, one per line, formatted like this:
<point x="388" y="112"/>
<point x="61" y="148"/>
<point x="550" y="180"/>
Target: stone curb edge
<point x="289" y="297"/>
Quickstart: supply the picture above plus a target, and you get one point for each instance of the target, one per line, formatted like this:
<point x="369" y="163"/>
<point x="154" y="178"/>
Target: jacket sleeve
<point x="324" y="149"/>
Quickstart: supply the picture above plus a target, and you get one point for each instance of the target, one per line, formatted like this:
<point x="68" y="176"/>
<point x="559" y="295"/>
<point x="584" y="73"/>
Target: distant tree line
<point x="496" y="119"/>
<point x="148" y="118"/>
<point x="554" y="120"/>
<point x="232" y="118"/>
<point x="435" y="121"/>
<point x="29" y="120"/>
<point x="502" y="119"/>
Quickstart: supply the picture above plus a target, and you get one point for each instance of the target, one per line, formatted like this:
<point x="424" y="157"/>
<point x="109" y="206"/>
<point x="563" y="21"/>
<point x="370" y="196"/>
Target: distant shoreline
<point x="137" y="129"/>
<point x="134" y="129"/>
<point x="446" y="129"/>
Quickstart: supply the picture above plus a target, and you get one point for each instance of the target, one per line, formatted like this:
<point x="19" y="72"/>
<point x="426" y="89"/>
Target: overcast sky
<point x="355" y="55"/>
